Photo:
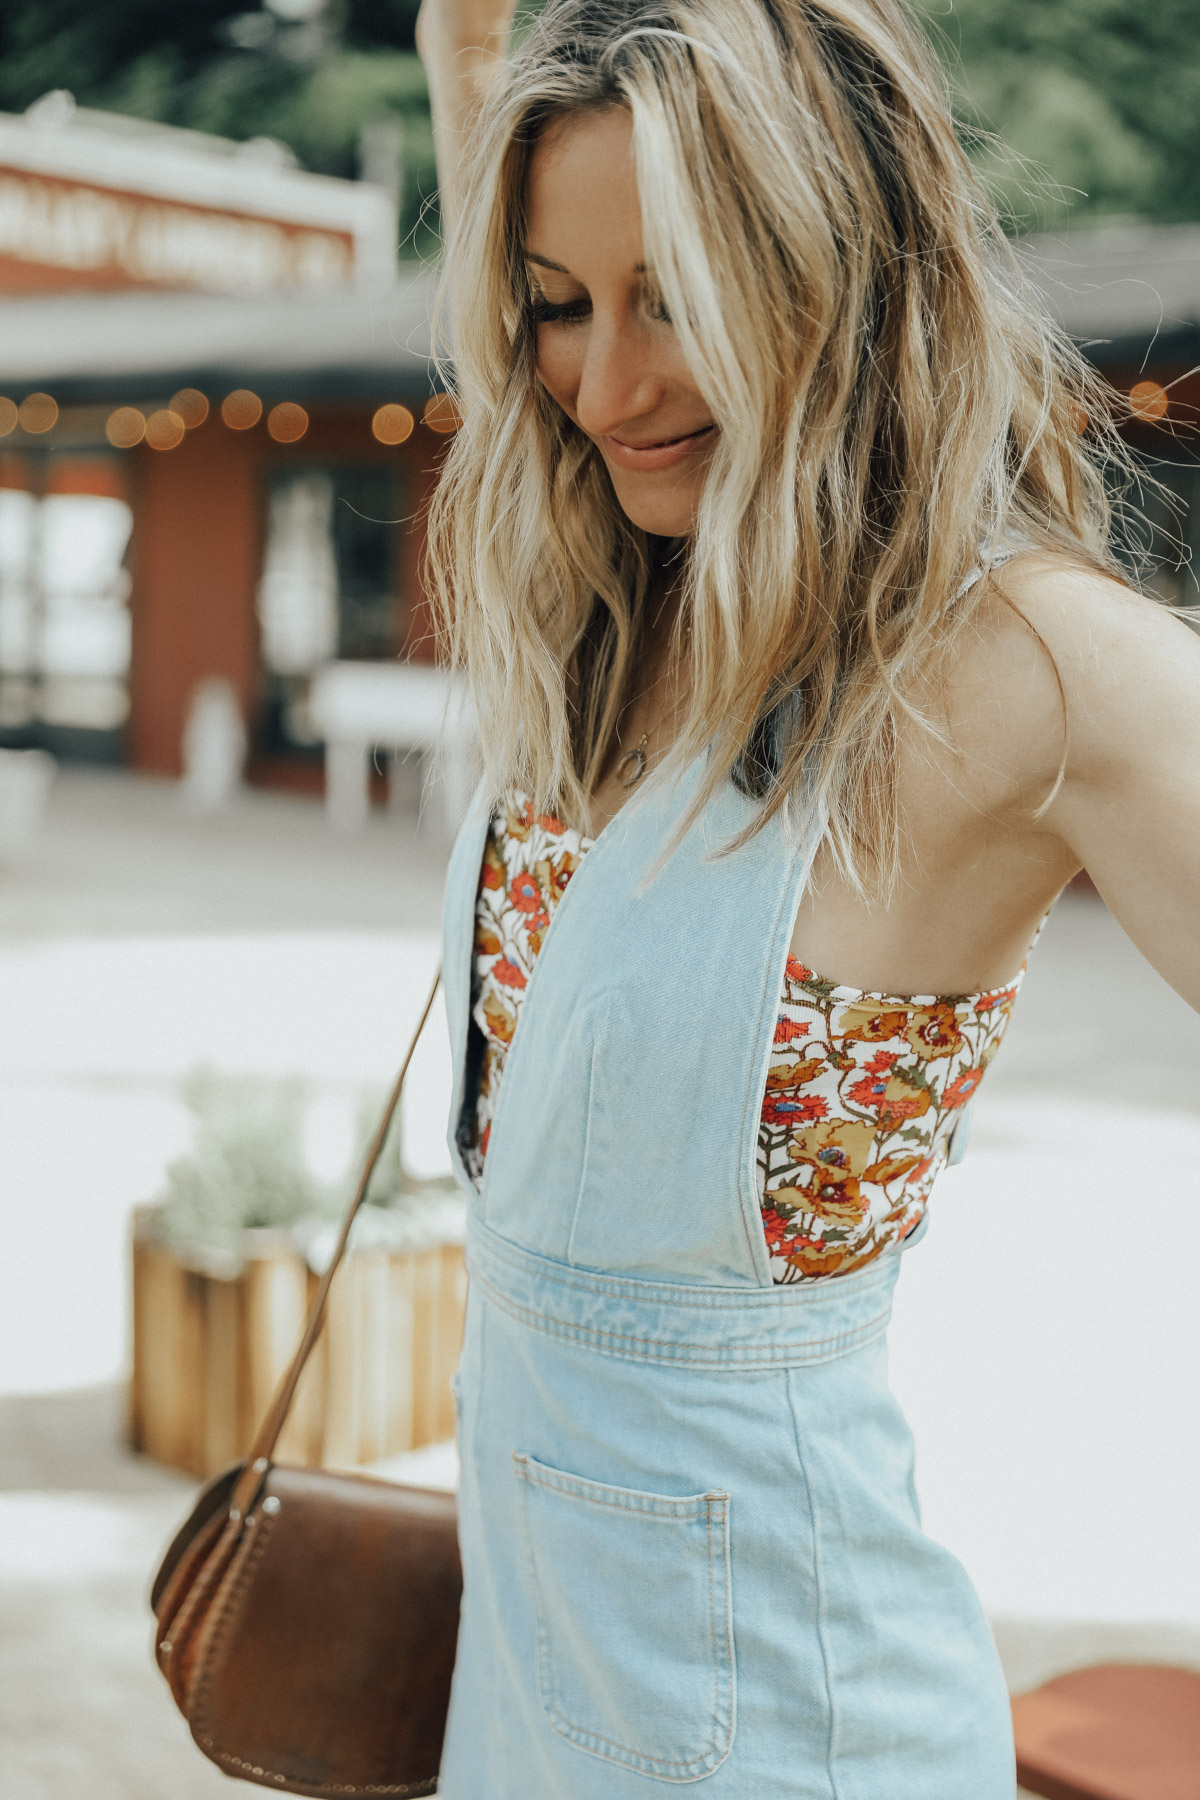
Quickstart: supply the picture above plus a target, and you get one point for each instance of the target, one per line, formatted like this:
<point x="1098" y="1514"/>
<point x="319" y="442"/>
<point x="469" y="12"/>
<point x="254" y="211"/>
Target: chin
<point x="669" y="515"/>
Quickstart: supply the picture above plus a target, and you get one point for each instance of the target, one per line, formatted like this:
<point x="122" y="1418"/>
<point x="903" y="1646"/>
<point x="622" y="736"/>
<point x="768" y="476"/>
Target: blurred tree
<point x="1098" y="102"/>
<point x="310" y="75"/>
<point x="1098" y="99"/>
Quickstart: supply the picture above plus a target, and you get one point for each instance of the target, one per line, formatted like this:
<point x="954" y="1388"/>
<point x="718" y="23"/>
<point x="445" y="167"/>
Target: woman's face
<point x="606" y="350"/>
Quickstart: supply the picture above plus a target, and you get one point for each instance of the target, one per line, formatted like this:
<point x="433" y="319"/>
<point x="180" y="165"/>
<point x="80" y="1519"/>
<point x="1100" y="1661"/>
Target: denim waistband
<point x="666" y="1322"/>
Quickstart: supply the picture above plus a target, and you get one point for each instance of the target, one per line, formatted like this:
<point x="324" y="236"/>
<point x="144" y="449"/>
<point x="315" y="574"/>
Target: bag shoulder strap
<point x="261" y="1451"/>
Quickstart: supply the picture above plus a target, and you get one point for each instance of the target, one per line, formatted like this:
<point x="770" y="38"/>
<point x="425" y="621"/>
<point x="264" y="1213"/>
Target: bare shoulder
<point x="1058" y="660"/>
<point x="1085" y="617"/>
<point x="1129" y="668"/>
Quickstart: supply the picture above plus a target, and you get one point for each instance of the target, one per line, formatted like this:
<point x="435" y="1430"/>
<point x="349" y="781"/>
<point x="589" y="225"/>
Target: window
<point x="64" y="614"/>
<point x="330" y="583"/>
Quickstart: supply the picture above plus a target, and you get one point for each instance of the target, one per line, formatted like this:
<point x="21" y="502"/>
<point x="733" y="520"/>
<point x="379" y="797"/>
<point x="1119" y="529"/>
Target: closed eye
<point x="555" y="312"/>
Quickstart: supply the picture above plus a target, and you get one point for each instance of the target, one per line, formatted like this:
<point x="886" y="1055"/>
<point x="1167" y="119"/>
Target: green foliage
<point x="180" y="66"/>
<point x="86" y="47"/>
<point x="1098" y="102"/>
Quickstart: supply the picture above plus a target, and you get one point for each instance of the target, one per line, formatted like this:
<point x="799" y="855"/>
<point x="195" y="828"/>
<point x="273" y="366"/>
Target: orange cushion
<point x="1120" y="1731"/>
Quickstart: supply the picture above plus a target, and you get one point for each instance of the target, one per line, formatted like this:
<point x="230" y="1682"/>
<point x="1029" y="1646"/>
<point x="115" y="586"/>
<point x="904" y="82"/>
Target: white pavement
<point x="1046" y="1338"/>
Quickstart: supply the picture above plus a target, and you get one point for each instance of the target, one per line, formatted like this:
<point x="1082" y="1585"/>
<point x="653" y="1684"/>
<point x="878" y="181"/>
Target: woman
<point x="775" y="545"/>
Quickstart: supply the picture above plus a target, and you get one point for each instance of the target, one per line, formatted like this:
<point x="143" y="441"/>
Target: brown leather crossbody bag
<point x="307" y="1621"/>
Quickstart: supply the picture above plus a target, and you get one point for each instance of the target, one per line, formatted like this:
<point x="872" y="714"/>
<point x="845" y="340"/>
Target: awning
<point x="1124" y="292"/>
<point x="328" y="344"/>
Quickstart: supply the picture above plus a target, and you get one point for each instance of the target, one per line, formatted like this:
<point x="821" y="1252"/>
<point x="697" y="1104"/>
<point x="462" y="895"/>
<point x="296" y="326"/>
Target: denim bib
<point x="690" y="1539"/>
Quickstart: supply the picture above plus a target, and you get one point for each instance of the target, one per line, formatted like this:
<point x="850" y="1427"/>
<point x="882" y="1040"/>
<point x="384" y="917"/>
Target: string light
<point x="191" y="405"/>
<point x="164" y="429"/>
<point x="287" y="422"/>
<point x="241" y="410"/>
<point x="441" y="414"/>
<point x="38" y="413"/>
<point x="125" y="428"/>
<point x="1147" y="400"/>
<point x="392" y="424"/>
<point x="8" y="416"/>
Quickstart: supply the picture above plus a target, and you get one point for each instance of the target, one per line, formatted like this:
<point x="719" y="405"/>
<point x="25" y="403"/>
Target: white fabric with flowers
<point x="863" y="1091"/>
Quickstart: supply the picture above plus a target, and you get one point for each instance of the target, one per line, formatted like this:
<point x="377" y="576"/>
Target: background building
<point x="215" y="437"/>
<point x="1129" y="294"/>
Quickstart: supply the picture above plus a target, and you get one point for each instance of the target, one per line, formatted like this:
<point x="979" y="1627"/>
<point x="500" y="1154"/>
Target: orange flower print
<point x="783" y="1076"/>
<point x="902" y="1102"/>
<point x="933" y="1031"/>
<point x="788" y="1030"/>
<point x="518" y="821"/>
<point x="891" y="1168"/>
<point x="493" y="867"/>
<point x="865" y="1022"/>
<point x="860" y="1095"/>
<point x="501" y="1019"/>
<point x="834" y="1144"/>
<point x="870" y="1089"/>
<point x="787" y="1108"/>
<point x="526" y="897"/>
<point x="783" y="1236"/>
<point x="774" y="1226"/>
<point x="814" y="1258"/>
<point x="834" y="1197"/>
<point x="553" y="874"/>
<point x="962" y="1087"/>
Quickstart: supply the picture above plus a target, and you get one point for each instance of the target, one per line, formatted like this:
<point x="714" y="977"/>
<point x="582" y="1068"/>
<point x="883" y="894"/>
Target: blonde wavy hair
<point x="893" y="403"/>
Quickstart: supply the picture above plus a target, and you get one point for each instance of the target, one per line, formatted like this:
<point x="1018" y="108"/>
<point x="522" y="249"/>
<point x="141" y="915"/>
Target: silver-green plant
<point x="246" y="1168"/>
<point x="247" y="1171"/>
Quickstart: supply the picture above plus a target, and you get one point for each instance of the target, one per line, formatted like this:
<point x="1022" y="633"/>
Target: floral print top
<point x="863" y="1090"/>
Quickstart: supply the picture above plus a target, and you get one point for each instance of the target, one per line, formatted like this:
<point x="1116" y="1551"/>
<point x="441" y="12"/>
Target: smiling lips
<point x="661" y="455"/>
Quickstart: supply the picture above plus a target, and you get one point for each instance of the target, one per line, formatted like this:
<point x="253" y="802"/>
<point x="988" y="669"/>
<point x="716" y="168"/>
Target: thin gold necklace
<point x="635" y="762"/>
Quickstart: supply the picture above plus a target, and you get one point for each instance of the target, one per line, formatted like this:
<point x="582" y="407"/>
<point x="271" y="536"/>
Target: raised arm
<point x="462" y="44"/>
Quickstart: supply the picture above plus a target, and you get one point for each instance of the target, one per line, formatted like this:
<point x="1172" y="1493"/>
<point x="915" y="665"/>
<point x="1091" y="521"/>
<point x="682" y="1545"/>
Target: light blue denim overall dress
<point x="690" y="1539"/>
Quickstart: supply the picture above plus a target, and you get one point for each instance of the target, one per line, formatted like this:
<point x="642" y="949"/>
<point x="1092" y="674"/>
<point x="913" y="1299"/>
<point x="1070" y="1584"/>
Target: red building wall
<point x="197" y="557"/>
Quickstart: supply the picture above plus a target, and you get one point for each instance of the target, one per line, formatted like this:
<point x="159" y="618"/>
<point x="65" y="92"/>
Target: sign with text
<point x="56" y="232"/>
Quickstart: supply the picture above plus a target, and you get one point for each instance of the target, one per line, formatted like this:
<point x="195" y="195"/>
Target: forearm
<point x="462" y="44"/>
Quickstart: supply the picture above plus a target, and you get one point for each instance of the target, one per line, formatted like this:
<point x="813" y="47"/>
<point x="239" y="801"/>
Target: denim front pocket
<point x="634" y="1621"/>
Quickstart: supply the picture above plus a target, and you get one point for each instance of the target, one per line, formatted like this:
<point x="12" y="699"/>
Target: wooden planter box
<point x="209" y="1348"/>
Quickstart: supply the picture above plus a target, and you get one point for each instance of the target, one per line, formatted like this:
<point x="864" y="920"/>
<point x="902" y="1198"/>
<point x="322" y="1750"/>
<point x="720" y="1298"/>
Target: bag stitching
<point x="190" y="1621"/>
<point x="251" y="1557"/>
<point x="222" y="1622"/>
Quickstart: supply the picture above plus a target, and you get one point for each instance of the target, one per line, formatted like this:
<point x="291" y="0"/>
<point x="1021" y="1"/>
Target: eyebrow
<point x="544" y="262"/>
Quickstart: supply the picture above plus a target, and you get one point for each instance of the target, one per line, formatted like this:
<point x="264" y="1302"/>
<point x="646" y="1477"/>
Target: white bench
<point x="359" y="707"/>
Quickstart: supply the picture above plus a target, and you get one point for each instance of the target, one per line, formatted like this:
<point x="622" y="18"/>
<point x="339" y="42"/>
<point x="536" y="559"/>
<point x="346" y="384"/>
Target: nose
<point x="617" y="382"/>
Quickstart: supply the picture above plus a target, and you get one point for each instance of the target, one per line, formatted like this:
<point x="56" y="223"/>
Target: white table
<point x="359" y="707"/>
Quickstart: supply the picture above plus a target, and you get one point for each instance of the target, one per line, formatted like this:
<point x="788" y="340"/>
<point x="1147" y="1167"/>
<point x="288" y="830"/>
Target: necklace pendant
<point x="635" y="762"/>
